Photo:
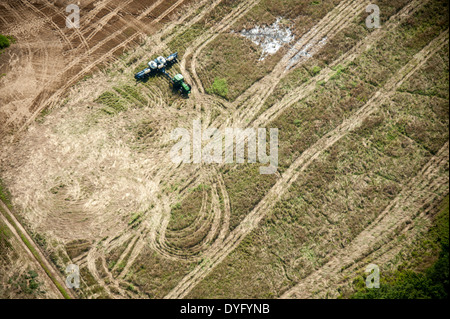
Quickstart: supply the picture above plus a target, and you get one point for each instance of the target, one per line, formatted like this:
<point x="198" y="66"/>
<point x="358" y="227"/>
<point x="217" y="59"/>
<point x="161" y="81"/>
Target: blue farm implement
<point x="158" y="66"/>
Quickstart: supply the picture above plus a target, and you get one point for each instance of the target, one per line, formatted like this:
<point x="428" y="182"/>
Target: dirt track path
<point x="252" y="220"/>
<point x="218" y="220"/>
<point x="42" y="45"/>
<point x="93" y="29"/>
<point x="211" y="219"/>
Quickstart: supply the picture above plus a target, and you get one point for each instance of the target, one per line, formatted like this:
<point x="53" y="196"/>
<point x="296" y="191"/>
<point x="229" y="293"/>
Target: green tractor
<point x="158" y="66"/>
<point x="179" y="84"/>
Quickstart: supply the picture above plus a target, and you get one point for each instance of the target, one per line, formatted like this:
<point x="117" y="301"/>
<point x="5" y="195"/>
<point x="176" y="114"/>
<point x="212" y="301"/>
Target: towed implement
<point x="158" y="66"/>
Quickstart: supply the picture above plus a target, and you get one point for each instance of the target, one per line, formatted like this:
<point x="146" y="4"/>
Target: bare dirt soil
<point x="48" y="57"/>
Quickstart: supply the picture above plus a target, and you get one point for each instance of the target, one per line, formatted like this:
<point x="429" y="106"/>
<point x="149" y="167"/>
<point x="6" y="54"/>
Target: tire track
<point x="92" y="30"/>
<point x="92" y="267"/>
<point x="75" y="30"/>
<point x="90" y="261"/>
<point x="50" y="21"/>
<point x="18" y="245"/>
<point x="213" y="218"/>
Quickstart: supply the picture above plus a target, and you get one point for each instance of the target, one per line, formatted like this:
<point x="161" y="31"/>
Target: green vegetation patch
<point x="219" y="87"/>
<point x="132" y="94"/>
<point x="114" y="103"/>
<point x="5" y="196"/>
<point x="4" y="42"/>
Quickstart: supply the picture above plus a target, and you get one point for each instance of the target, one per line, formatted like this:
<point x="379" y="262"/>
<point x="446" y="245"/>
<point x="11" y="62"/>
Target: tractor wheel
<point x="190" y="89"/>
<point x="173" y="87"/>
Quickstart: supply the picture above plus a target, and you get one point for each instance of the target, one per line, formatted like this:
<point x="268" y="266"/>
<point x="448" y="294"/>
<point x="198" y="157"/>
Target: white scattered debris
<point x="307" y="51"/>
<point x="270" y="38"/>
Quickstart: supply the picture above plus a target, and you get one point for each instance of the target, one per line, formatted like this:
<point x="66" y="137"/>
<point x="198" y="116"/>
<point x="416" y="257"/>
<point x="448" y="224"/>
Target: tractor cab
<point x="178" y="79"/>
<point x="178" y="82"/>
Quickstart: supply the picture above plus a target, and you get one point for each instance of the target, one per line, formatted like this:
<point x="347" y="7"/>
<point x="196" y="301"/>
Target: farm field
<point x="363" y="149"/>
